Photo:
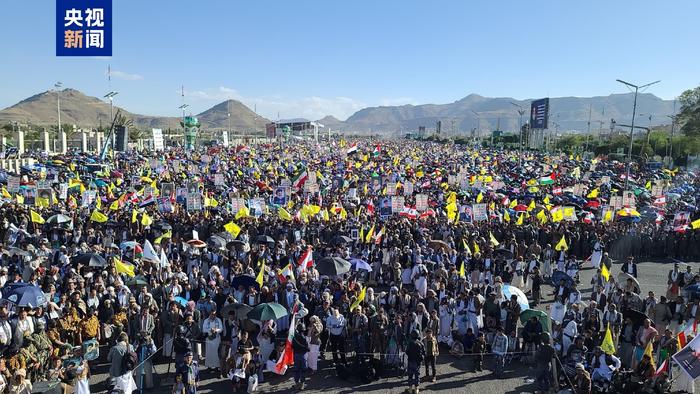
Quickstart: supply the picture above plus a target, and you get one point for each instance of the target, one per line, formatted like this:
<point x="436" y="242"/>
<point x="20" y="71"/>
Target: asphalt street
<point x="454" y="374"/>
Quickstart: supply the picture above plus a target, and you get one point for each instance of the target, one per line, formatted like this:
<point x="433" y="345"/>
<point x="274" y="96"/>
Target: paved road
<point x="453" y="373"/>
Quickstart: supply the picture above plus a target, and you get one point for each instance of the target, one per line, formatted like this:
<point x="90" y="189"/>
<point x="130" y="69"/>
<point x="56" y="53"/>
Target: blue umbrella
<point x="557" y="276"/>
<point x="181" y="301"/>
<point x="24" y="295"/>
<point x="358" y="264"/>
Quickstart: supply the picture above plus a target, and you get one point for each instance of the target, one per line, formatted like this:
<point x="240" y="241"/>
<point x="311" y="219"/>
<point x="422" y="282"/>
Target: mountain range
<point x="86" y="112"/>
<point x="473" y="112"/>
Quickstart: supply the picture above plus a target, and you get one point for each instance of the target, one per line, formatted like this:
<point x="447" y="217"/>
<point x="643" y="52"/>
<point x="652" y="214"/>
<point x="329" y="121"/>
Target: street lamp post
<point x="110" y="97"/>
<point x="183" y="107"/>
<point x="521" y="111"/>
<point x="634" y="114"/>
<point x="58" y="86"/>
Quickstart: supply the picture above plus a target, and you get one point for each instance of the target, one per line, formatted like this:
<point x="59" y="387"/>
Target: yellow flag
<point x="605" y="273"/>
<point x="359" y="299"/>
<point x="41" y="202"/>
<point x="146" y="220"/>
<point x="124" y="268"/>
<point x="476" y="248"/>
<point x="649" y="351"/>
<point x="531" y="206"/>
<point x="284" y="215"/>
<point x="133" y="216"/>
<point x="695" y="224"/>
<point x="521" y="218"/>
<point x="608" y="346"/>
<point x="5" y="193"/>
<point x="506" y="216"/>
<point x="452" y="198"/>
<point x="558" y="215"/>
<point x="114" y="206"/>
<point x="541" y="216"/>
<point x="98" y="216"/>
<point x="480" y="197"/>
<point x="562" y="244"/>
<point x="593" y="193"/>
<point x="232" y="229"/>
<point x="98" y="202"/>
<point x="493" y="239"/>
<point x="362" y="234"/>
<point x="466" y="247"/>
<point x="513" y="204"/>
<point x="36" y="218"/>
<point x="261" y="275"/>
<point x="243" y="212"/>
<point x="370" y="233"/>
<point x="546" y="200"/>
<point x="461" y="270"/>
<point x="609" y="215"/>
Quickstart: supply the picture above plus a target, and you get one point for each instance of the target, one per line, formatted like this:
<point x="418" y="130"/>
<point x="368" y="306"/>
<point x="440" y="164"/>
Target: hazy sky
<point x="313" y="58"/>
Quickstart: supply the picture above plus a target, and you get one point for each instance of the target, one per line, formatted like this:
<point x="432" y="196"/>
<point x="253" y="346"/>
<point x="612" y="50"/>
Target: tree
<point x="689" y="116"/>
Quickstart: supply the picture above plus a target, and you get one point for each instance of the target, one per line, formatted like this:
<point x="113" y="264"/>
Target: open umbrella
<point x="439" y="244"/>
<point x="692" y="291"/>
<point x="90" y="260"/>
<point x="509" y="291"/>
<point x="235" y="243"/>
<point x="196" y="243"/>
<point x="505" y="253"/>
<point x="267" y="311"/>
<point x="558" y="276"/>
<point x="24" y="295"/>
<point x="623" y="277"/>
<point x="181" y="301"/>
<point x="216" y="242"/>
<point x="636" y="316"/>
<point x="162" y="226"/>
<point x="137" y="281"/>
<point x="241" y="310"/>
<point x="59" y="219"/>
<point x="541" y="316"/>
<point x="358" y="264"/>
<point x="333" y="266"/>
<point x="129" y="245"/>
<point x="264" y="239"/>
<point x="244" y="280"/>
<point x="341" y="239"/>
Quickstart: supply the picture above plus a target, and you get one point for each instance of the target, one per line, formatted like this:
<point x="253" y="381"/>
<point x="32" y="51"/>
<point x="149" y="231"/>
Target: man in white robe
<point x="212" y="328"/>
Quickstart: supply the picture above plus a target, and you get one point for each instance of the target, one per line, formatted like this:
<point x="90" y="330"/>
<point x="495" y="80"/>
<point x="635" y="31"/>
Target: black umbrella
<point x="505" y="253"/>
<point x="235" y="243"/>
<point x="246" y="281"/>
<point x="216" y="242"/>
<point x="558" y="276"/>
<point x="162" y="225"/>
<point x="90" y="260"/>
<point x="636" y="316"/>
<point x="264" y="239"/>
<point x="241" y="310"/>
<point x="341" y="239"/>
<point x="225" y="235"/>
<point x="333" y="266"/>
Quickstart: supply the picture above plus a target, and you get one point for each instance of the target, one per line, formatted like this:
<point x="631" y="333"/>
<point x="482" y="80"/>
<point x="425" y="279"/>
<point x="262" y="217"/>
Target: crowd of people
<point x="242" y="262"/>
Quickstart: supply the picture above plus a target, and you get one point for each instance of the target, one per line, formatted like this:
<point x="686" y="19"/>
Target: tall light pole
<point x="634" y="115"/>
<point x="110" y="97"/>
<point x="183" y="107"/>
<point x="521" y="111"/>
<point x="58" y="86"/>
<point x="670" y="138"/>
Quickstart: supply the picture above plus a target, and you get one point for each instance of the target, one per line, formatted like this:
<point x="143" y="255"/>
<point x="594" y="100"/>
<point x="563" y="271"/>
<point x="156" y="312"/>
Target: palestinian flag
<point x="287" y="357"/>
<point x="151" y="199"/>
<point x="298" y="181"/>
<point x="307" y="259"/>
<point x="377" y="150"/>
<point x="547" y="180"/>
<point x="352" y="149"/>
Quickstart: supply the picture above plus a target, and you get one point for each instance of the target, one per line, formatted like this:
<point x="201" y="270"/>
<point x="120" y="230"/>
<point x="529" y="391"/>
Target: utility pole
<point x="521" y="111"/>
<point x="58" y="86"/>
<point x="112" y="134"/>
<point x="588" y="133"/>
<point x="634" y="114"/>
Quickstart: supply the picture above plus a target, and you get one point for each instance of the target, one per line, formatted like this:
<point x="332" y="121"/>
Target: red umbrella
<point x="593" y="204"/>
<point x="196" y="243"/>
